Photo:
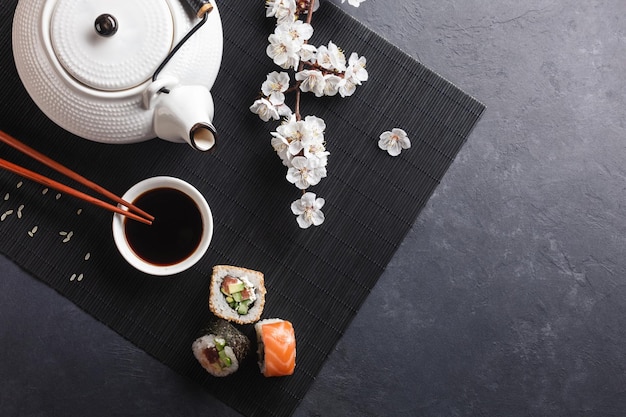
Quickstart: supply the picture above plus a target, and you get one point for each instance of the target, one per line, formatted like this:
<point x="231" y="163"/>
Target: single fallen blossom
<point x="308" y="210"/>
<point x="393" y="142"/>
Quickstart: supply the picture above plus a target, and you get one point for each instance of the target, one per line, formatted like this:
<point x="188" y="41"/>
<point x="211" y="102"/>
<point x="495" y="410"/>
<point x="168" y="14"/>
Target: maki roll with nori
<point x="221" y="348"/>
<point x="237" y="294"/>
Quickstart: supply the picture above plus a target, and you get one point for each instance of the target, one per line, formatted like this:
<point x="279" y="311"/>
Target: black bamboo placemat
<point x="316" y="278"/>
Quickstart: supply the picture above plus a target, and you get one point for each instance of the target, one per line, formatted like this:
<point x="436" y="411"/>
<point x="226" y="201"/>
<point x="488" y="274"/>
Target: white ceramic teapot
<point x="110" y="70"/>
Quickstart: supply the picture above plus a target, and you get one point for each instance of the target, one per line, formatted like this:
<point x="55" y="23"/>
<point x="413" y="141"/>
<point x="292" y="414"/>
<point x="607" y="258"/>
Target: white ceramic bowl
<point x="154" y="183"/>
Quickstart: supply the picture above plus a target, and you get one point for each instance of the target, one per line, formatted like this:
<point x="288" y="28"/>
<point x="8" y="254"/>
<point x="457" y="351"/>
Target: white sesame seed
<point x="80" y="277"/>
<point x="19" y="184"/>
<point x="73" y="277"/>
<point x="87" y="256"/>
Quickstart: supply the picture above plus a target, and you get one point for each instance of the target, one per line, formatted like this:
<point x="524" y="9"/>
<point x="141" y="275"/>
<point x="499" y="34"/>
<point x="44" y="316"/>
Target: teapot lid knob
<point x="106" y="25"/>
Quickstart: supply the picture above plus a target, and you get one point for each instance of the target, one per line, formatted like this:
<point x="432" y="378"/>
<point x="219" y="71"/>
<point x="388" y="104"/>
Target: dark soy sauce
<point x="175" y="233"/>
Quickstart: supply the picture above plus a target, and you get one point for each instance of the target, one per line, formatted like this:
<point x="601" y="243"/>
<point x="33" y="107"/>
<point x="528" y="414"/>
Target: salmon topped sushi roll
<point x="276" y="347"/>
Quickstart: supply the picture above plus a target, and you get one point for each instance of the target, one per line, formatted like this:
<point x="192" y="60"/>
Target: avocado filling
<point x="239" y="293"/>
<point x="217" y="356"/>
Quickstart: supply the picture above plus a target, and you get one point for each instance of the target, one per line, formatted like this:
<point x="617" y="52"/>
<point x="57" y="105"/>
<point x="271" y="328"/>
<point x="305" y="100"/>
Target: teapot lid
<point x="111" y="45"/>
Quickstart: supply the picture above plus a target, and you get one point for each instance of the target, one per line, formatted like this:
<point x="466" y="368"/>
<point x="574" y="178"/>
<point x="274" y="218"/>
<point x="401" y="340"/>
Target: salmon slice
<point x="279" y="344"/>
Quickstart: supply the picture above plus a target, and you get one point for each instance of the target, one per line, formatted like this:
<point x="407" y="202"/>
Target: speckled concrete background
<point x="507" y="298"/>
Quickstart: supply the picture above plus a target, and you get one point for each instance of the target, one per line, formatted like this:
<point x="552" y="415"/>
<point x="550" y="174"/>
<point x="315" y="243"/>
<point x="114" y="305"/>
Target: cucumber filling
<point x="217" y="356"/>
<point x="239" y="293"/>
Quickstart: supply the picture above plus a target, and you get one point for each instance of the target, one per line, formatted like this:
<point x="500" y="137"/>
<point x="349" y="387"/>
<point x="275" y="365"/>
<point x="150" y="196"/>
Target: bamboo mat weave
<point x="316" y="278"/>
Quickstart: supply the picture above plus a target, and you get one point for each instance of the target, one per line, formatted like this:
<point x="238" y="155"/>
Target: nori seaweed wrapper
<point x="238" y="342"/>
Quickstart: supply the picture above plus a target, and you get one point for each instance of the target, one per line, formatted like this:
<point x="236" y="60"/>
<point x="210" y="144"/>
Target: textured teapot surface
<point x="87" y="63"/>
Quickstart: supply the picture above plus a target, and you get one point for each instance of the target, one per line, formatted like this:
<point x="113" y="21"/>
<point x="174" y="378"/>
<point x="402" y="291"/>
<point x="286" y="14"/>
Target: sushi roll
<point x="221" y="348"/>
<point x="276" y="347"/>
<point x="237" y="294"/>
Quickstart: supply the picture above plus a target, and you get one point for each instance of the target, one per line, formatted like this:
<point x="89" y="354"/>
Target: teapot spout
<point x="182" y="114"/>
<point x="202" y="136"/>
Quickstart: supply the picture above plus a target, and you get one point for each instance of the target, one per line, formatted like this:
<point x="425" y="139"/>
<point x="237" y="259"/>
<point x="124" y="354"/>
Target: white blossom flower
<point x="315" y="128"/>
<point x="331" y="85"/>
<point x="347" y="86"/>
<point x="270" y="108"/>
<point x="305" y="172"/>
<point x="292" y="131"/>
<point x="298" y="30"/>
<point x="354" y="3"/>
<point x="357" y="64"/>
<point x="283" y="10"/>
<point x="312" y="80"/>
<point x="308" y="209"/>
<point x="393" y="142"/>
<point x="312" y="149"/>
<point x="313" y="145"/>
<point x="283" y="50"/>
<point x="331" y="57"/>
<point x="265" y="109"/>
<point x="282" y="108"/>
<point x="281" y="146"/>
<point x="308" y="52"/>
<point x="275" y="85"/>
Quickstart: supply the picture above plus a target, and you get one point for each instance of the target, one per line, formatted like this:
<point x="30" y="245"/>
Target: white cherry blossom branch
<point x="324" y="71"/>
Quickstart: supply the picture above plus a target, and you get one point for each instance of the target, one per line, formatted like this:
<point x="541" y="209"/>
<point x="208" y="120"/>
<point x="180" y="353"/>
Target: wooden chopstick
<point x="133" y="211"/>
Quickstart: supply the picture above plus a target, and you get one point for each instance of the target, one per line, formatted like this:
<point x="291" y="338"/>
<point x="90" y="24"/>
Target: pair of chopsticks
<point x="133" y="211"/>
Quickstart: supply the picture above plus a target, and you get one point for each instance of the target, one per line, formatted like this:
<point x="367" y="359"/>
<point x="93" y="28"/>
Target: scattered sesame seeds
<point x="32" y="232"/>
<point x="76" y="277"/>
<point x="19" y="211"/>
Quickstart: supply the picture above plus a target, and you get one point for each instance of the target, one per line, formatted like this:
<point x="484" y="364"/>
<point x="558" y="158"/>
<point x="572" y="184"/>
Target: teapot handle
<point x="200" y="7"/>
<point x="157" y="87"/>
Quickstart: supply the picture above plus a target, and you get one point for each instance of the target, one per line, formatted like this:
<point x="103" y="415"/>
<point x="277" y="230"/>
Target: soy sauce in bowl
<point x="175" y="233"/>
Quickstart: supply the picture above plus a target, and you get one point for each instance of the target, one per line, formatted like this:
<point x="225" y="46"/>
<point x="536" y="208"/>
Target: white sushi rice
<point x="207" y="342"/>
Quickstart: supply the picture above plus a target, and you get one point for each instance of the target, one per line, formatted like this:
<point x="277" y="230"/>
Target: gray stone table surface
<point x="508" y="296"/>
